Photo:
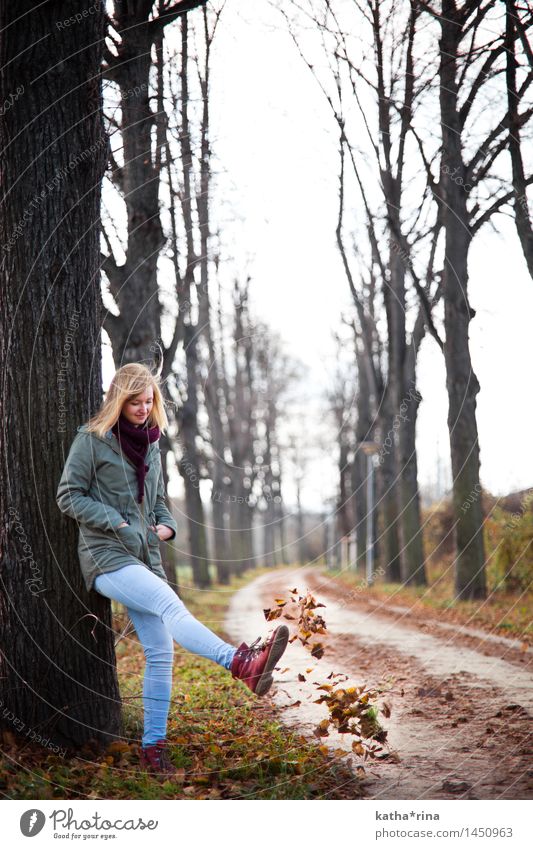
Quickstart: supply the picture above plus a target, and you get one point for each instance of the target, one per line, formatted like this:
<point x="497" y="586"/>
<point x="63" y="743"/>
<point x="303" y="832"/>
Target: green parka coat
<point x="98" y="488"/>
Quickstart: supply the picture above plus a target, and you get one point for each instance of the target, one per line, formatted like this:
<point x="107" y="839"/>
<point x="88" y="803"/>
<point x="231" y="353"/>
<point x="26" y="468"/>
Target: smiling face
<point x="138" y="408"/>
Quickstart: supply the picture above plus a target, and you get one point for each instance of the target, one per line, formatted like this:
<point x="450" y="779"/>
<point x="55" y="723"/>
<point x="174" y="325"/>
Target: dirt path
<point x="462" y="706"/>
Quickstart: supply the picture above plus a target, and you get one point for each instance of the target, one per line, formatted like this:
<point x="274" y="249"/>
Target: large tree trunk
<point x="410" y="495"/>
<point x="397" y="392"/>
<point x="188" y="416"/>
<point x="134" y="284"/>
<point x="268" y="518"/>
<point x="189" y="468"/>
<point x="388" y="500"/>
<point x="244" y="519"/>
<point x="168" y="551"/>
<point x="241" y="404"/>
<point x="413" y="568"/>
<point x="405" y="405"/>
<point x="57" y="664"/>
<point x="363" y="433"/>
<point x="280" y="516"/>
<point x="461" y="382"/>
<point x="300" y="525"/>
<point x="213" y="391"/>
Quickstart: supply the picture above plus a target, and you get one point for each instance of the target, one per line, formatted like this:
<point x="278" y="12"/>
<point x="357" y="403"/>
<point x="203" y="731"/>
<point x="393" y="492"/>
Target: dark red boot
<point x="254" y="664"/>
<point x="156" y="760"/>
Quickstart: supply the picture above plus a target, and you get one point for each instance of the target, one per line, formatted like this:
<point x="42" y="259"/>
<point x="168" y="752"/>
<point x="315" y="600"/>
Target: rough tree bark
<point x="392" y="171"/>
<point x="213" y="392"/>
<point x="363" y="433"/>
<point x="190" y="461"/>
<point x="461" y="382"/>
<point x="134" y="284"/>
<point x="241" y="406"/>
<point x="189" y="468"/>
<point x="381" y="399"/>
<point x="57" y="662"/>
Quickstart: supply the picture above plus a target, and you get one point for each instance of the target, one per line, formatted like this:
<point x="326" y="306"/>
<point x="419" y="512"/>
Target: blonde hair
<point x="128" y="381"/>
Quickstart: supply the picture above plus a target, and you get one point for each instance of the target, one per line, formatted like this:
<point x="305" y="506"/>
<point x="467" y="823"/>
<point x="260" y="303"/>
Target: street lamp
<point x="370" y="449"/>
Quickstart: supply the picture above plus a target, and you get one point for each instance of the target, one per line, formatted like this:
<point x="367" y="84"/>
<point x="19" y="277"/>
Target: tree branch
<point x="172" y="12"/>
<point x="497" y="205"/>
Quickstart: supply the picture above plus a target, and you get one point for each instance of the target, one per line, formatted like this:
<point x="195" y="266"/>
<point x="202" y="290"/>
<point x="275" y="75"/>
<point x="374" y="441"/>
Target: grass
<point x="501" y="612"/>
<point x="227" y="743"/>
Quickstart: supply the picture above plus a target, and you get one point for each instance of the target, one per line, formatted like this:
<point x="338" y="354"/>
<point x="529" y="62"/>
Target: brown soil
<point x="461" y="724"/>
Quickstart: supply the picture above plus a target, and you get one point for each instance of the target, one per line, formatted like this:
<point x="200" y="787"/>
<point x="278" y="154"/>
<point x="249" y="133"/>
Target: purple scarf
<point x="134" y="443"/>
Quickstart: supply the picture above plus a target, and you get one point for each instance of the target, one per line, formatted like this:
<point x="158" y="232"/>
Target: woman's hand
<point x="163" y="531"/>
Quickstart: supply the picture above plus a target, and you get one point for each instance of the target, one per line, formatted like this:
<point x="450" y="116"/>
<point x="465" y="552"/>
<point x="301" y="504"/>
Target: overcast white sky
<point x="276" y="152"/>
<point x="275" y="139"/>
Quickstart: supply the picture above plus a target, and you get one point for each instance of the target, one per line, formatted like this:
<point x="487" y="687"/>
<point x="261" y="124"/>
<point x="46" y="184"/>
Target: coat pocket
<point x="130" y="540"/>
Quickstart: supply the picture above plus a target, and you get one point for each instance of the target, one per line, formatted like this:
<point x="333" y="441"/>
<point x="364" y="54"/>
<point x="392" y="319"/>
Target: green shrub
<point x="513" y="536"/>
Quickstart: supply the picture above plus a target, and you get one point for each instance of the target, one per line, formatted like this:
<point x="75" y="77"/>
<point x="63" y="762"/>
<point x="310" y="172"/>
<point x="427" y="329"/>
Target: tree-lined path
<point x="461" y="705"/>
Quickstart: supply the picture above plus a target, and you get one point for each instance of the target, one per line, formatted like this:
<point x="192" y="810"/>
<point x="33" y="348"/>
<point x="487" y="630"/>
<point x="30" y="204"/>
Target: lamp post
<point x="370" y="449"/>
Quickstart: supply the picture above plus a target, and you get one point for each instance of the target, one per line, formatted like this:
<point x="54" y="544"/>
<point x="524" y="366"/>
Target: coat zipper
<point x="113" y="442"/>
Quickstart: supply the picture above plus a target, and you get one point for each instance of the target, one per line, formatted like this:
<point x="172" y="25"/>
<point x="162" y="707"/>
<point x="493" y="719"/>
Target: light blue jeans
<point x="159" y="617"/>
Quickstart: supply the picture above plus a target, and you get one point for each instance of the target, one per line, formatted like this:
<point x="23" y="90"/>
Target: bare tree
<point x="471" y="49"/>
<point x="274" y="372"/>
<point x="241" y="406"/>
<point x="376" y="143"/>
<point x="135" y="36"/>
<point x="341" y="400"/>
<point x="213" y="377"/>
<point x="363" y="432"/>
<point x="299" y="461"/>
<point x="134" y="28"/>
<point x="476" y="53"/>
<point x="57" y="662"/>
<point x="516" y="27"/>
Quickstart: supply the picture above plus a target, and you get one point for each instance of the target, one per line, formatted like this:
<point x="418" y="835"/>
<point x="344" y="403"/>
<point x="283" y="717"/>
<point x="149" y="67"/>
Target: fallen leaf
<point x="272" y="614"/>
<point x="317" y="650"/>
<point x="118" y="746"/>
<point x="322" y="729"/>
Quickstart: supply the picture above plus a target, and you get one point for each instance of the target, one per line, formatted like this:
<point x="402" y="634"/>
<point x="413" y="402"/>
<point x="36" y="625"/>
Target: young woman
<point x="112" y="484"/>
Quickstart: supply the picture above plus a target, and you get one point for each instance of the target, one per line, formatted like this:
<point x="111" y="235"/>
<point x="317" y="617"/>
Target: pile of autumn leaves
<point x="351" y="710"/>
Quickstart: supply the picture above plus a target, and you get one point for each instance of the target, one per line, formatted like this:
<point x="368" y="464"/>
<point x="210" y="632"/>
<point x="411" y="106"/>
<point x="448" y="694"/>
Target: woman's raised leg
<point x="138" y="588"/>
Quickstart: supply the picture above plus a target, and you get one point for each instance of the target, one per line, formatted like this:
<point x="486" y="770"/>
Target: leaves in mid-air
<point x="351" y="710"/>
